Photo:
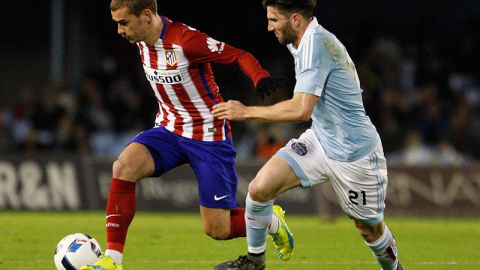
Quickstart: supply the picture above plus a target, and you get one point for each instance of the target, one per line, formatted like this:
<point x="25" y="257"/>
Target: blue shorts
<point x="212" y="162"/>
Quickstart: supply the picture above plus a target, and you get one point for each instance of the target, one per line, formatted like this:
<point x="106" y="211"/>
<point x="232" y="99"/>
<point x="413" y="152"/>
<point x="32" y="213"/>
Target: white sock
<point x="274" y="223"/>
<point x="117" y="256"/>
<point x="385" y="250"/>
<point x="258" y="216"/>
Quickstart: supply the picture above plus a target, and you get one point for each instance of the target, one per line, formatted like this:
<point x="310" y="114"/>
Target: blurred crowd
<point x="100" y="118"/>
<point x="423" y="98"/>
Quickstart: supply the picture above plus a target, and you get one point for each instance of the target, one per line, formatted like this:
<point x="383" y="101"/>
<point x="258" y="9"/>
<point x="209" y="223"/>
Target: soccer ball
<point x="76" y="250"/>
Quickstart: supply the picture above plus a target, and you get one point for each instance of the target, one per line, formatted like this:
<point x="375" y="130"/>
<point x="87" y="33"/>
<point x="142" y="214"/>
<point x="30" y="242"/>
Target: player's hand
<point x="266" y="86"/>
<point x="230" y="110"/>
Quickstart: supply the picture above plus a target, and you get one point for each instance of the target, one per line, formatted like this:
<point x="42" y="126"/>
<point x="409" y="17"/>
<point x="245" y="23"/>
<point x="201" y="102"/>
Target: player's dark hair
<point x="135" y="7"/>
<point x="303" y="7"/>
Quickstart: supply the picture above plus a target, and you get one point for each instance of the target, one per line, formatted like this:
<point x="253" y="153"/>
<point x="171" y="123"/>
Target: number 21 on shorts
<point x="354" y="197"/>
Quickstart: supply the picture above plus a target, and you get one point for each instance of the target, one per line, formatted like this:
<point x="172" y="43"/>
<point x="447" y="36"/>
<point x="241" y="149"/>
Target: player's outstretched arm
<point x="297" y="109"/>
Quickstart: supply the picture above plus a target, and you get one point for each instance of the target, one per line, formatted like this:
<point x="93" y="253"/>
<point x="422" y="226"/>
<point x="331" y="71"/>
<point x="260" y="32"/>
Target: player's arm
<point x="297" y="109"/>
<point x="203" y="49"/>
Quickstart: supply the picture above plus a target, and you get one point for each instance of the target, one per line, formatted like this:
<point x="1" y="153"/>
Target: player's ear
<point x="147" y="15"/>
<point x="296" y="19"/>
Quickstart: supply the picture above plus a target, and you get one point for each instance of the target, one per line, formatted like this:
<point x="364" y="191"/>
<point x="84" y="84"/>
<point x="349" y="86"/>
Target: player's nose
<point x="270" y="27"/>
<point x="120" y="29"/>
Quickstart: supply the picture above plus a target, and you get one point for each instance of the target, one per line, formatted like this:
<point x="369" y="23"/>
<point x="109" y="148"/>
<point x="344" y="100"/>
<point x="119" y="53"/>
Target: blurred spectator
<point x="415" y="151"/>
<point x="445" y="154"/>
<point x="432" y="113"/>
<point x="45" y="119"/>
<point x="22" y="114"/>
<point x="269" y="140"/>
<point x="5" y="134"/>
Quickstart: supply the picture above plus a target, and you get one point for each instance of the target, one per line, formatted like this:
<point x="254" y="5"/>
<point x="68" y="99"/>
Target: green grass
<point x="177" y="241"/>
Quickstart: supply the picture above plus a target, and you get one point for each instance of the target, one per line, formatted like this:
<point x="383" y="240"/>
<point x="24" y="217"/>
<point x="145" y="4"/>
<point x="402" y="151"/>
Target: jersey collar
<point x="164" y="28"/>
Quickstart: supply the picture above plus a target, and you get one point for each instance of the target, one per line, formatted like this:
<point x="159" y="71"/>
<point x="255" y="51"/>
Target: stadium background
<point x="72" y="93"/>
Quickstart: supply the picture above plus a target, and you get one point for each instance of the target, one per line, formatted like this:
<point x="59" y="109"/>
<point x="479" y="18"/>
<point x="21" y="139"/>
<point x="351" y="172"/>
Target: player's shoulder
<point x="178" y="32"/>
<point x="179" y="27"/>
<point x="324" y="38"/>
<point x="322" y="33"/>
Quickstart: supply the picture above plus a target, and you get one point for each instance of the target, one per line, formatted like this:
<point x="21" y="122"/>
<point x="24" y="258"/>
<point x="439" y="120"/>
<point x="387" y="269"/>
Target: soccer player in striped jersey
<point x="341" y="146"/>
<point x="176" y="60"/>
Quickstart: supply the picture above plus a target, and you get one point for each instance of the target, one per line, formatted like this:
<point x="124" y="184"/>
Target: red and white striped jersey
<point x="179" y="71"/>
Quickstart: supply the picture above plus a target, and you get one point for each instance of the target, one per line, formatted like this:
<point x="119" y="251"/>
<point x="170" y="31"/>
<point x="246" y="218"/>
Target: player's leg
<point x="361" y="188"/>
<point x="223" y="224"/>
<point x="274" y="178"/>
<point x="382" y="243"/>
<point x="214" y="167"/>
<point x="141" y="158"/>
<point x="133" y="164"/>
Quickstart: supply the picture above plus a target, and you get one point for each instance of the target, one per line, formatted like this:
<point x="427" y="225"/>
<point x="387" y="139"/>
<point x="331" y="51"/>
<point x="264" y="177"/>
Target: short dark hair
<point x="304" y="7"/>
<point x="135" y="7"/>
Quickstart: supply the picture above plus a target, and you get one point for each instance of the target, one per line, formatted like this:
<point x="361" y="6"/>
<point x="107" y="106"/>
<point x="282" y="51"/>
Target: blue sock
<point x="257" y="217"/>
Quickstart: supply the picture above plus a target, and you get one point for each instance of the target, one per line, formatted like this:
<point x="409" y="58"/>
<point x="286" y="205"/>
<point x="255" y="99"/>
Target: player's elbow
<point x="303" y="116"/>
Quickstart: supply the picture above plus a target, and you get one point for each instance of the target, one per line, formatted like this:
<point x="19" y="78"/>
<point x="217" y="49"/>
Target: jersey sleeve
<point x="200" y="48"/>
<point x="315" y="64"/>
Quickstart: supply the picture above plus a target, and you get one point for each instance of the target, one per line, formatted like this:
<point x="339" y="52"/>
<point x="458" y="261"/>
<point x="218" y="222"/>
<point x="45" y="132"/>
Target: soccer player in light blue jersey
<point x="342" y="145"/>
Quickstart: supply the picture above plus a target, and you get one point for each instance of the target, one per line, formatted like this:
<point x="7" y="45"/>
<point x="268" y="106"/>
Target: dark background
<point x="25" y="46"/>
<point x="441" y="37"/>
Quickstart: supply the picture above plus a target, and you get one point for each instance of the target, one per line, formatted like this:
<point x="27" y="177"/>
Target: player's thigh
<point x="165" y="148"/>
<point x="301" y="162"/>
<point x="361" y="186"/>
<point x="134" y="163"/>
<point x="274" y="178"/>
<point x="214" y="167"/>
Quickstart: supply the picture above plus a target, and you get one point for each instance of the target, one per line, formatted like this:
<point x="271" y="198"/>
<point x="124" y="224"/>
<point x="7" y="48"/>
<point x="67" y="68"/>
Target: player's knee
<point x="258" y="192"/>
<point x="124" y="169"/>
<point x="370" y="233"/>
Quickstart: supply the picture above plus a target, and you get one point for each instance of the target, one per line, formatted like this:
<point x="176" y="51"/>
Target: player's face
<point x="130" y="26"/>
<point x="281" y="26"/>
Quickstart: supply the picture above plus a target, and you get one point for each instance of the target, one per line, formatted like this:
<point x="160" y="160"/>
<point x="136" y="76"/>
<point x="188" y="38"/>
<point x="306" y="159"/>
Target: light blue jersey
<point x="324" y="68"/>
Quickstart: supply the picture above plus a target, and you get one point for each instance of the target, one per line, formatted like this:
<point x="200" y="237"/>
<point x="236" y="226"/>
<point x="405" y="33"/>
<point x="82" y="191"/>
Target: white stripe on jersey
<point x="307" y="58"/>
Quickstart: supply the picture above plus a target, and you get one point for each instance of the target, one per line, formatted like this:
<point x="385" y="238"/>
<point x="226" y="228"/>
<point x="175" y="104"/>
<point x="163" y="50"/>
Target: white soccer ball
<point x="76" y="250"/>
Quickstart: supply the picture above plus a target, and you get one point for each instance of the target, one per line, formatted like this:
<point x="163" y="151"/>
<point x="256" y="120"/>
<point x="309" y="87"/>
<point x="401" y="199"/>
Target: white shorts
<point x="360" y="185"/>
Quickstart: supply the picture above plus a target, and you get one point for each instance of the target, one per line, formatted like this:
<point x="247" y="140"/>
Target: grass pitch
<point x="176" y="241"/>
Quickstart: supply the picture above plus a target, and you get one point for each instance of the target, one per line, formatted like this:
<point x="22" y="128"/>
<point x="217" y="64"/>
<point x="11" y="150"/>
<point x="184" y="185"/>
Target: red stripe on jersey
<point x="213" y="88"/>
<point x="140" y="46"/>
<point x="166" y="103"/>
<point x="161" y="111"/>
<point x="153" y="57"/>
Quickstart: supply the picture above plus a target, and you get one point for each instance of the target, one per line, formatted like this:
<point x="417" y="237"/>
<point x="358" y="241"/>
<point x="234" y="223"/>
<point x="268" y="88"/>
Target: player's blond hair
<point x="303" y="7"/>
<point x="135" y="7"/>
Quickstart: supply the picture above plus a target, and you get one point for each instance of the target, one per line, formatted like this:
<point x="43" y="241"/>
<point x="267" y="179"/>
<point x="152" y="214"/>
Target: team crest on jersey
<point x="170" y="57"/>
<point x="215" y="46"/>
<point x="299" y="148"/>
